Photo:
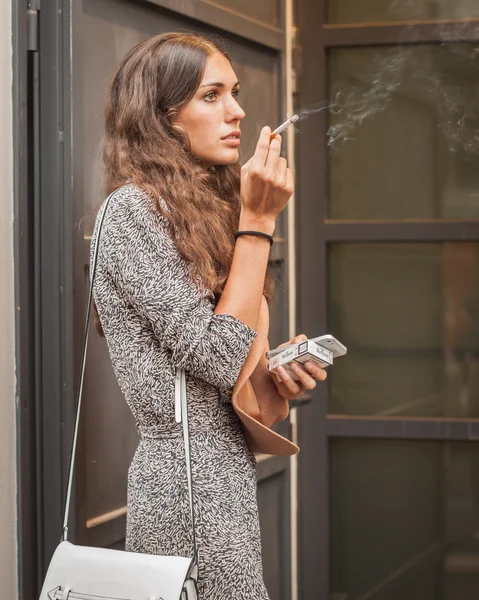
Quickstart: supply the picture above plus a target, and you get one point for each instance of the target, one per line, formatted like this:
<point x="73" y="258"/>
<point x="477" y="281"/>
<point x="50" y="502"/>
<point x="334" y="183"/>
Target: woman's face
<point x="212" y="117"/>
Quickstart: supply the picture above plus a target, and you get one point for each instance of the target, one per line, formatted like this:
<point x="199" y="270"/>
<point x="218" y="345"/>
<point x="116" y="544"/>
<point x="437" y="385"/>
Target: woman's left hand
<point x="307" y="375"/>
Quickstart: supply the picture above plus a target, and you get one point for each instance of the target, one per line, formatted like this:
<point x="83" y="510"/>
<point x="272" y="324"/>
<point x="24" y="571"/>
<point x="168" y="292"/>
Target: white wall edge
<point x="8" y="475"/>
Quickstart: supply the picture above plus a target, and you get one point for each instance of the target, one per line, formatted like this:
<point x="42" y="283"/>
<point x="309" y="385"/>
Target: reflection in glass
<point x="404" y="520"/>
<point x="373" y="11"/>
<point x="409" y="315"/>
<point x="404" y="132"/>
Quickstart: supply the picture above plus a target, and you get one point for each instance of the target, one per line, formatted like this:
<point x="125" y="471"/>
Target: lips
<point x="233" y="135"/>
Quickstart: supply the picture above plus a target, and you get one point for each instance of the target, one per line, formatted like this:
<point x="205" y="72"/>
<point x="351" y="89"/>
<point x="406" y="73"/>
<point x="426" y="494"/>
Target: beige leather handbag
<point x="258" y="405"/>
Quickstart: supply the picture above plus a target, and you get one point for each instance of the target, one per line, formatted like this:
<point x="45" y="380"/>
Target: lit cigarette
<point x="284" y="126"/>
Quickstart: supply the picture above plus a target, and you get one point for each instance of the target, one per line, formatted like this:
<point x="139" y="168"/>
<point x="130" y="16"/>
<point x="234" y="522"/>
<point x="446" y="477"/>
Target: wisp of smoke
<point x="442" y="77"/>
<point x="304" y="113"/>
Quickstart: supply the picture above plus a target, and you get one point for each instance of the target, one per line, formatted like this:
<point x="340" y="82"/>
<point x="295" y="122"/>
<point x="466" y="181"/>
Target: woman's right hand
<point x="266" y="183"/>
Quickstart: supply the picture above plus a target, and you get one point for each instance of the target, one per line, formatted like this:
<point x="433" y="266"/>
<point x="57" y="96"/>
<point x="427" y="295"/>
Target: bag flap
<point x="104" y="574"/>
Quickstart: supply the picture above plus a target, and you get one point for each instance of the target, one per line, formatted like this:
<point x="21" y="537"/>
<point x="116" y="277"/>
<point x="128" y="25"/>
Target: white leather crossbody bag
<point x="85" y="573"/>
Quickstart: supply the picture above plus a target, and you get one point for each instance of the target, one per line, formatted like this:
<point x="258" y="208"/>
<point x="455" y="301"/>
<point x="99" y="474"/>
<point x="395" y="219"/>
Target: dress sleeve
<point x="155" y="280"/>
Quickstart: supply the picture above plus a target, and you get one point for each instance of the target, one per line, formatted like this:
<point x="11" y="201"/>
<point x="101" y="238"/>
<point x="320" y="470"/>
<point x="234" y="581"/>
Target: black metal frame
<point x="42" y="283"/>
<point x="420" y="32"/>
<point x="316" y="427"/>
<point x="56" y="282"/>
<point x="25" y="89"/>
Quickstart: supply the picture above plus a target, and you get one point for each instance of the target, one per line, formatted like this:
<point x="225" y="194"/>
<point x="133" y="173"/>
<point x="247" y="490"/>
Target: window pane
<point x="404" y="132"/>
<point x="373" y="11"/>
<point x="409" y="315"/>
<point x="404" y="520"/>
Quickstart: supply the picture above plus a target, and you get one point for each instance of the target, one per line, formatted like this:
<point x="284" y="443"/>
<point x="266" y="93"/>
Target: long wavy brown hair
<point x="144" y="144"/>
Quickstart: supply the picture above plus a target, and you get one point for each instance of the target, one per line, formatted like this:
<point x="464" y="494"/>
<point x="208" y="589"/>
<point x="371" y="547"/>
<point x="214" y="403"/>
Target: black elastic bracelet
<point x="257" y="234"/>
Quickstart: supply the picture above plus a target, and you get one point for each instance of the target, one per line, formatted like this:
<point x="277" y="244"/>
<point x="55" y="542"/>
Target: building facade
<point x="380" y="247"/>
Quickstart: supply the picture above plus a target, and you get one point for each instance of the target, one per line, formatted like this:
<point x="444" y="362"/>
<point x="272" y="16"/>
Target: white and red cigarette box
<point x="301" y="353"/>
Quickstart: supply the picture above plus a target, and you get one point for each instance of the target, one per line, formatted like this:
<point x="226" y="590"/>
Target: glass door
<point x="389" y="229"/>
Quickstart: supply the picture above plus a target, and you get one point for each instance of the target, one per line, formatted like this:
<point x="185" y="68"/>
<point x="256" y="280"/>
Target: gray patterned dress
<point x="156" y="319"/>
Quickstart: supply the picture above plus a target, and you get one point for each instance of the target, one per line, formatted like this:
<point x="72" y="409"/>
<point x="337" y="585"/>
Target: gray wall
<point x="8" y="516"/>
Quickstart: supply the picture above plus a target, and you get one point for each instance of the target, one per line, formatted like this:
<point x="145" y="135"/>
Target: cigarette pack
<point x="301" y="353"/>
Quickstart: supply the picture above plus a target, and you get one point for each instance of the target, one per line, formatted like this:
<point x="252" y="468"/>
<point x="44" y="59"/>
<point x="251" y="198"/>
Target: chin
<point x="231" y="158"/>
<point x="223" y="157"/>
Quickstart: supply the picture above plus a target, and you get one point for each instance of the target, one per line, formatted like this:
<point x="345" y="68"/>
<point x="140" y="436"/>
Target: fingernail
<point x="266" y="129"/>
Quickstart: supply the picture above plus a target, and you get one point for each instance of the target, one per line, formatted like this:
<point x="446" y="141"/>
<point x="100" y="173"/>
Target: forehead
<point x="218" y="68"/>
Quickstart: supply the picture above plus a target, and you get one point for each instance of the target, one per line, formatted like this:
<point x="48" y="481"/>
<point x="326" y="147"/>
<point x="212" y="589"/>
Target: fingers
<point x="248" y="163"/>
<point x="317" y="372"/>
<point x="304" y="377"/>
<point x="272" y="159"/>
<point x="307" y="375"/>
<point x="266" y="181"/>
<point x="258" y="160"/>
<point x="292" y="386"/>
<point x="282" y="171"/>
<point x="289" y="182"/>
<point x="299" y="338"/>
<point x="295" y="340"/>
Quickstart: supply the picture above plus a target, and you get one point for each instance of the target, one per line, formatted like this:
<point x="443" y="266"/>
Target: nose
<point x="234" y="112"/>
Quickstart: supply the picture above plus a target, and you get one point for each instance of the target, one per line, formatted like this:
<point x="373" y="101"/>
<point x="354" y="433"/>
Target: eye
<point x="211" y="96"/>
<point x="235" y="93"/>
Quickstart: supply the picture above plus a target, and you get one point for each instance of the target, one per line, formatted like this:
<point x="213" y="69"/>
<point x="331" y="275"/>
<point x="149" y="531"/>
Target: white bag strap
<point x="181" y="404"/>
<point x="180" y="392"/>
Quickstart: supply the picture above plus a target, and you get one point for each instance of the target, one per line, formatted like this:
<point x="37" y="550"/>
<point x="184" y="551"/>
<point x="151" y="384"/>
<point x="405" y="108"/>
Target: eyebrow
<point x="218" y="84"/>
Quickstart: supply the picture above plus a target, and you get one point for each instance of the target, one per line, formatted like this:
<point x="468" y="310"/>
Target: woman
<point x="174" y="289"/>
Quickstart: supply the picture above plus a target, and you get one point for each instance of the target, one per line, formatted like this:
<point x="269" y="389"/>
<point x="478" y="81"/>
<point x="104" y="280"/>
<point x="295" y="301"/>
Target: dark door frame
<point x="42" y="281"/>
<point x="315" y="425"/>
<point x="25" y="68"/>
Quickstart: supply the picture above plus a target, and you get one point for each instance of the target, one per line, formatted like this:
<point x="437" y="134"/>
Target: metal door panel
<point x="108" y="30"/>
<point x="267" y="11"/>
<point x="239" y="22"/>
<point x="273" y="505"/>
<point x="81" y="43"/>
